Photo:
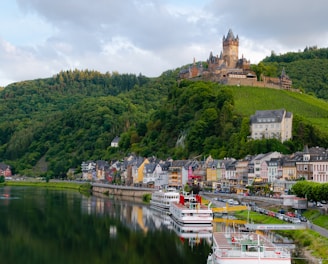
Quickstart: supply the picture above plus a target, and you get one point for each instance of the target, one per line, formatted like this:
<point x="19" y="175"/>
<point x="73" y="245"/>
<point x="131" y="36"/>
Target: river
<point x="39" y="225"/>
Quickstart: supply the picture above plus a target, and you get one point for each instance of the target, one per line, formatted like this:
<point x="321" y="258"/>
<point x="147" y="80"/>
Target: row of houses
<point x="5" y="170"/>
<point x="273" y="170"/>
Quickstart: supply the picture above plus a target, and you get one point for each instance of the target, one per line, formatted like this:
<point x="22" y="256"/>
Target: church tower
<point x="230" y="50"/>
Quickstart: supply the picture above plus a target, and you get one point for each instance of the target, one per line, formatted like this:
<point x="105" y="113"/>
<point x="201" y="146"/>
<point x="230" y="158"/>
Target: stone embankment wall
<point x="120" y="190"/>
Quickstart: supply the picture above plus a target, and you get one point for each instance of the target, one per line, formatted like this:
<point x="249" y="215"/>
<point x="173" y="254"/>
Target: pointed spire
<point x="230" y="35"/>
<point x="283" y="72"/>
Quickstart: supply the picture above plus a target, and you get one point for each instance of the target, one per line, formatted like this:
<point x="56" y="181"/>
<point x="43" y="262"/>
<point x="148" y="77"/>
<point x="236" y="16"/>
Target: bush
<point x="146" y="197"/>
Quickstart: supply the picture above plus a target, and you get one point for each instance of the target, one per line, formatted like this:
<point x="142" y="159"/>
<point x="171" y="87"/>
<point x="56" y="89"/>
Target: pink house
<point x="5" y="170"/>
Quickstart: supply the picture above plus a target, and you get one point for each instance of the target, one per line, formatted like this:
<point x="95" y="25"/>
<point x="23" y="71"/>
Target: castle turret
<point x="230" y="49"/>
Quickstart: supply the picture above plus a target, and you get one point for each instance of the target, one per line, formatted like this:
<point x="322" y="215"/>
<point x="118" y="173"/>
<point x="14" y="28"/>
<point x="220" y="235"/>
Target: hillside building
<point x="272" y="124"/>
<point x="115" y="141"/>
<point x="228" y="68"/>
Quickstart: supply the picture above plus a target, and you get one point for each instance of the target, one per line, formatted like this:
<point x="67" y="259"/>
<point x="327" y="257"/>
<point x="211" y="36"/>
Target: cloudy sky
<point x="39" y="38"/>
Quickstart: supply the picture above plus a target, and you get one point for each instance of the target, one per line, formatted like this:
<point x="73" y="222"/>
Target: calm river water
<point x="52" y="226"/>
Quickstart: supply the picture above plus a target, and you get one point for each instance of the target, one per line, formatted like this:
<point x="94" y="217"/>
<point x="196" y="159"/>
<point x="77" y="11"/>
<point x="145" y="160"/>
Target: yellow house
<point x="212" y="171"/>
<point x="289" y="170"/>
<point x="137" y="170"/>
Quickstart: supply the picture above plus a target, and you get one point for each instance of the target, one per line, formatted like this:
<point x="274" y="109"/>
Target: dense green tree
<point x="311" y="190"/>
<point x="49" y="125"/>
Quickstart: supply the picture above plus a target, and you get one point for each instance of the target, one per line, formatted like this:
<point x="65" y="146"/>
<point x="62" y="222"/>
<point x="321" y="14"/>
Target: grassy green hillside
<point x="249" y="99"/>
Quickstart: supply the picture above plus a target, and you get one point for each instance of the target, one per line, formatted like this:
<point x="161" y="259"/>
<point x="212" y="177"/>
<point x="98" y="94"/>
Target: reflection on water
<point x="192" y="238"/>
<point x="54" y="226"/>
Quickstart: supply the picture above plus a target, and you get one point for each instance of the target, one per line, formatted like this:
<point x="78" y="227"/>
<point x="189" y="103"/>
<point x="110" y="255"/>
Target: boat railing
<point x="248" y="245"/>
<point x="261" y="252"/>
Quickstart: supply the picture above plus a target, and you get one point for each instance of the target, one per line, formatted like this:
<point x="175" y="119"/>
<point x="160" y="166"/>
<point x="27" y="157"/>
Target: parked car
<point x="302" y="218"/>
<point x="232" y="202"/>
<point x="280" y="216"/>
<point x="290" y="214"/>
<point x="295" y="220"/>
<point x="270" y="213"/>
<point x="281" y="211"/>
<point x="256" y="209"/>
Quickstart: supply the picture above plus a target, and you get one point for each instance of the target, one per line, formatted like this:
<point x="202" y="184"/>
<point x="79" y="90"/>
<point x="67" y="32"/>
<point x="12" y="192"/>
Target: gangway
<point x="275" y="226"/>
<point x="228" y="209"/>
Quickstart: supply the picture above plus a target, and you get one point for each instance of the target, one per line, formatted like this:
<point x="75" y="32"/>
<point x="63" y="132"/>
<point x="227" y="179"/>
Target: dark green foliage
<point x="304" y="133"/>
<point x="50" y="125"/>
<point x="307" y="69"/>
<point x="70" y="118"/>
<point x="146" y="197"/>
<point x="311" y="190"/>
<point x="194" y="112"/>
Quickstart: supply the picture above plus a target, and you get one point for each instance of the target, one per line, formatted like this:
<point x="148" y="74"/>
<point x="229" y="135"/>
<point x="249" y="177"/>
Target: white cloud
<point x="40" y="38"/>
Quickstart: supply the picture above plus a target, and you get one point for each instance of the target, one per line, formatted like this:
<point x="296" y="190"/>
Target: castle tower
<point x="230" y="49"/>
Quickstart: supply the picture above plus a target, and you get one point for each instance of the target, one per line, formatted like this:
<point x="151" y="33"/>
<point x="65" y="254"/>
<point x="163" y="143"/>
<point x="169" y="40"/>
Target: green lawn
<point x="250" y="99"/>
<point x="308" y="239"/>
<point x="51" y="184"/>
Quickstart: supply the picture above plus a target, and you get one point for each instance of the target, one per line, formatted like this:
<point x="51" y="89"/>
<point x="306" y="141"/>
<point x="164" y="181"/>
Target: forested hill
<point x="50" y="125"/>
<point x="307" y="69"/>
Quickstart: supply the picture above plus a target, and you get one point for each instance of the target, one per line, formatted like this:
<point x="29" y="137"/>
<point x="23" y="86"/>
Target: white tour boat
<point x="246" y="248"/>
<point x="162" y="199"/>
<point x="189" y="212"/>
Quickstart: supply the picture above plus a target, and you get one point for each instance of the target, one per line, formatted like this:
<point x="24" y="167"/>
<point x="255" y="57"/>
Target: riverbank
<point x="82" y="187"/>
<point x="314" y="246"/>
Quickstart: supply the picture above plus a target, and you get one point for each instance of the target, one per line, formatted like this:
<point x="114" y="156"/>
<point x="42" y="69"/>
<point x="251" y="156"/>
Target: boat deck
<point x="247" y="247"/>
<point x="234" y="239"/>
<point x="186" y="206"/>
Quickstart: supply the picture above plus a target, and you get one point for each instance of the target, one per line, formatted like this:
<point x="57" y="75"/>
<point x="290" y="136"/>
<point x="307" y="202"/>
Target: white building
<point x="156" y="174"/>
<point x="272" y="124"/>
<point x="115" y="141"/>
<point x="88" y="170"/>
<point x="260" y="166"/>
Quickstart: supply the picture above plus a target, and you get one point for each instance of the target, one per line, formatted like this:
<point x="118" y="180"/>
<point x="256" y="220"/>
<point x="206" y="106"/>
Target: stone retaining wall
<point x="121" y="190"/>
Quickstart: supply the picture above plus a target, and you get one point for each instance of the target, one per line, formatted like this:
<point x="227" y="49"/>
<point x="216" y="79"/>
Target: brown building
<point x="227" y="68"/>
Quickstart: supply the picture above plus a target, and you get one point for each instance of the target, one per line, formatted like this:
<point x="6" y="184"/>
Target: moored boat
<point x="191" y="229"/>
<point x="246" y="248"/>
<point x="162" y="199"/>
<point x="190" y="212"/>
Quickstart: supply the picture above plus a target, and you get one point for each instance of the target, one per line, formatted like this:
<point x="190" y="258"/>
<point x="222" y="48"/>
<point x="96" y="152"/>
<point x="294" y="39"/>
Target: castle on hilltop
<point x="229" y="69"/>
